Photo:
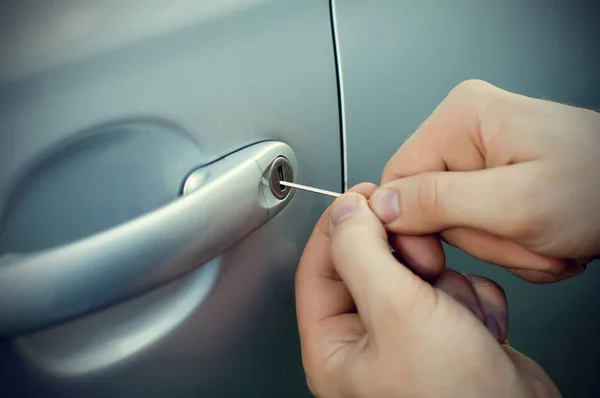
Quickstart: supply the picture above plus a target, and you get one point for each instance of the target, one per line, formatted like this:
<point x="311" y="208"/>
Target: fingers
<point x="320" y="293"/>
<point x="541" y="277"/>
<point x="362" y="258"/>
<point x="502" y="252"/>
<point x="366" y="189"/>
<point x="424" y="255"/>
<point x="507" y="254"/>
<point x="464" y="133"/>
<point x="499" y="201"/>
<point x="493" y="304"/>
<point x="324" y="307"/>
<point x="459" y="288"/>
<point x="481" y="296"/>
<point x="436" y="180"/>
<point x="447" y="140"/>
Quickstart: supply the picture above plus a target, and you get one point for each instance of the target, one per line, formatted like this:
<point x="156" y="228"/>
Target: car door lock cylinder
<point x="280" y="170"/>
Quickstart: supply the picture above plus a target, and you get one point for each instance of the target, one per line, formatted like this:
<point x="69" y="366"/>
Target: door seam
<point x="340" y="95"/>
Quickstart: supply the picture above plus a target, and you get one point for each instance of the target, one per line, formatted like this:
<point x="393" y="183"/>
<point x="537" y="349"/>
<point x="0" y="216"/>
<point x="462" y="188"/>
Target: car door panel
<point x="221" y="74"/>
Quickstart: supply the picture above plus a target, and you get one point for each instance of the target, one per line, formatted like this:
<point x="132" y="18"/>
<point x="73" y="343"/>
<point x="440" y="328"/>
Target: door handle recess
<point x="222" y="203"/>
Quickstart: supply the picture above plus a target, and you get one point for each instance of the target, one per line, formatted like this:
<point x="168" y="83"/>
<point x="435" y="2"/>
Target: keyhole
<point x="282" y="188"/>
<point x="281" y="170"/>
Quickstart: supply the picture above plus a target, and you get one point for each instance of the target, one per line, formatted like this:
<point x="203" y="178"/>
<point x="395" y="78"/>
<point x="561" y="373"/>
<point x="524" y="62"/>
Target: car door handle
<point x="222" y="202"/>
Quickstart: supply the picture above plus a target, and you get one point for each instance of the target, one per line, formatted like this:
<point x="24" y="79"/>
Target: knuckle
<point x="472" y="86"/>
<point x="483" y="102"/>
<point x="476" y="95"/>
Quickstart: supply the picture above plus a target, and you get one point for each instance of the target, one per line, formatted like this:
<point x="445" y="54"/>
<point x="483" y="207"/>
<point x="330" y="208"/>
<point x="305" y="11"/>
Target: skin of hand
<point x="371" y="327"/>
<point x="509" y="179"/>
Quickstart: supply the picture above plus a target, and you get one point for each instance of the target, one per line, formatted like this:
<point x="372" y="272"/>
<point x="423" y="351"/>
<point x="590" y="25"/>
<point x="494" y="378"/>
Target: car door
<point x="399" y="59"/>
<point x="141" y="250"/>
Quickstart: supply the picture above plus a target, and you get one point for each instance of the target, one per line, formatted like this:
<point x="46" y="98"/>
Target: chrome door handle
<point x="224" y="201"/>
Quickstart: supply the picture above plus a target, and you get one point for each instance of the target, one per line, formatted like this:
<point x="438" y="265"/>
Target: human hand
<point x="370" y="327"/>
<point x="509" y="179"/>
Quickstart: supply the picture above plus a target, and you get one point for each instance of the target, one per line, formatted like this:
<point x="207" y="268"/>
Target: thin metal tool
<point x="309" y="189"/>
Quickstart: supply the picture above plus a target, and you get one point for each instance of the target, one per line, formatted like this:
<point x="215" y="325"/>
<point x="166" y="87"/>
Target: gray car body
<point x="211" y="77"/>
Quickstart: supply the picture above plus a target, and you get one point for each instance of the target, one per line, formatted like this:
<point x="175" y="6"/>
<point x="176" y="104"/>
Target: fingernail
<point x="343" y="208"/>
<point x="492" y="325"/>
<point x="384" y="203"/>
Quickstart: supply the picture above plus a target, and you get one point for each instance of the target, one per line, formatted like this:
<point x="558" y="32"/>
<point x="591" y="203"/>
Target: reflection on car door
<point x="105" y="107"/>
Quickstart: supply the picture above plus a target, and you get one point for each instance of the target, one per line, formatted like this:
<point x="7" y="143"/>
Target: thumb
<point x="363" y="260"/>
<point x="490" y="200"/>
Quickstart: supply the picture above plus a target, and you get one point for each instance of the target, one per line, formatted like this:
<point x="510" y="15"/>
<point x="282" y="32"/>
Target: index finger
<point x="462" y="134"/>
<point x="320" y="293"/>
